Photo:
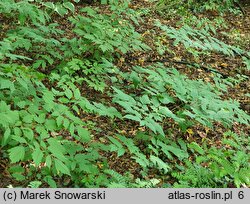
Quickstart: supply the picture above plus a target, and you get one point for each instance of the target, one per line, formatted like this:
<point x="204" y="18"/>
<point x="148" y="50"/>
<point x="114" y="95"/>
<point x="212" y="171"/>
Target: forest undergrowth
<point x="124" y="93"/>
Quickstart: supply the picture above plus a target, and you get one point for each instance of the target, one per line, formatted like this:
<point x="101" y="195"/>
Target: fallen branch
<point x="170" y="60"/>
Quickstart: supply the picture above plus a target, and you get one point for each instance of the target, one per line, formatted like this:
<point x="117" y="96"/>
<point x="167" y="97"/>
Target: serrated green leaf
<point x="196" y="147"/>
<point x="16" y="154"/>
<point x="16" y="169"/>
<point x="133" y="117"/>
<point x="61" y="167"/>
<point x="28" y="133"/>
<point x="66" y="123"/>
<point x="83" y="134"/>
<point x="177" y="152"/>
<point x="141" y="159"/>
<point x="37" y="156"/>
<point x="77" y="94"/>
<point x="19" y="139"/>
<point x="59" y="120"/>
<point x="116" y="146"/>
<point x="40" y="118"/>
<point x="6" y="137"/>
<point x="159" y="163"/>
<point x="35" y="184"/>
<point x="48" y="161"/>
<point x="145" y="99"/>
<point x="123" y="96"/>
<point x="7" y="84"/>
<point x="28" y="118"/>
<point x="56" y="148"/>
<point x="23" y="83"/>
<point x="48" y="96"/>
<point x="50" y="181"/>
<point x="68" y="93"/>
<point x="50" y="124"/>
<point x="18" y="177"/>
<point x="21" y="104"/>
<point x="72" y="128"/>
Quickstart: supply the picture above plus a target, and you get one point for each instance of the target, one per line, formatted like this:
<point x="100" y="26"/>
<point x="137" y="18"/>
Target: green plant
<point x="195" y="176"/>
<point x="232" y="163"/>
<point x="95" y="36"/>
<point x="127" y="181"/>
<point x="34" y="122"/>
<point x="137" y="155"/>
<point x="61" y="8"/>
<point x="102" y="35"/>
<point x="195" y="6"/>
<point x="35" y="184"/>
<point x="62" y="99"/>
<point x="204" y="23"/>
<point x="246" y="61"/>
<point x="29" y="43"/>
<point x="217" y="167"/>
<point x="158" y="152"/>
<point x="199" y="40"/>
<point x="213" y="5"/>
<point x="166" y="7"/>
<point x="162" y="88"/>
<point x="91" y="72"/>
<point x="23" y="11"/>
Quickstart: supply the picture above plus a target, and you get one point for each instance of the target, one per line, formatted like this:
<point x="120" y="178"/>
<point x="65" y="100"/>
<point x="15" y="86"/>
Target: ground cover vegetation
<point x="119" y="93"/>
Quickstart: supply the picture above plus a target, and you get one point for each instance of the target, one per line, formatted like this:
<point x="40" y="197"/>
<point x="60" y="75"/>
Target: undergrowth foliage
<point x="33" y="128"/>
<point x="200" y="39"/>
<point x="183" y="7"/>
<point x="199" y="101"/>
<point x="48" y="131"/>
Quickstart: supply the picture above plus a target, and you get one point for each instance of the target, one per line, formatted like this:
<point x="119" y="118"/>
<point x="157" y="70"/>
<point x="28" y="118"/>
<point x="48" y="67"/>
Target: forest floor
<point x="238" y="30"/>
<point x="227" y="66"/>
